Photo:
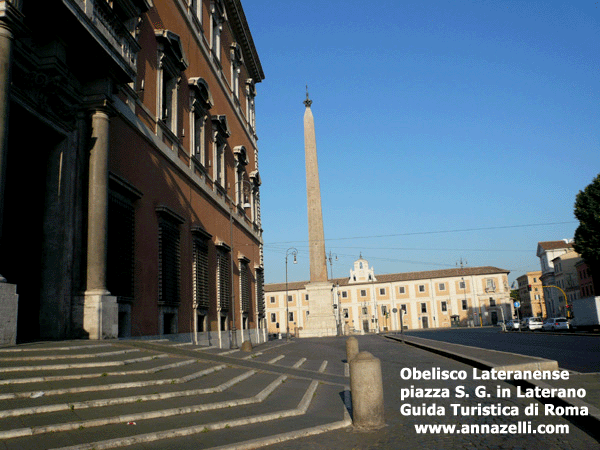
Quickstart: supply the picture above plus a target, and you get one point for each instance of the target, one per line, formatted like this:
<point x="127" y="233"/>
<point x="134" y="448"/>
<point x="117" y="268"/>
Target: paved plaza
<point x="161" y="394"/>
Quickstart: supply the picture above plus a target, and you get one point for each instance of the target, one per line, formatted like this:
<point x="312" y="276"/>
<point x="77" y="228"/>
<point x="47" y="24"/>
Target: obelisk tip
<point x="308" y="101"/>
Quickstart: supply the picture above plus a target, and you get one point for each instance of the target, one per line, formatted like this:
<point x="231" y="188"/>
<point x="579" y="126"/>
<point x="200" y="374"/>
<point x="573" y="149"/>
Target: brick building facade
<point x="131" y="187"/>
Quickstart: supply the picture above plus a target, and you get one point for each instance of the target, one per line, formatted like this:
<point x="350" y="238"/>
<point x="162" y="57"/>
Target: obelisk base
<point x="321" y="318"/>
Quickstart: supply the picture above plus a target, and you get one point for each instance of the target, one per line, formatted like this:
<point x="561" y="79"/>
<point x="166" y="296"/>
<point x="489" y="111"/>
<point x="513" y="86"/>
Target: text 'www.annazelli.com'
<point x="521" y="427"/>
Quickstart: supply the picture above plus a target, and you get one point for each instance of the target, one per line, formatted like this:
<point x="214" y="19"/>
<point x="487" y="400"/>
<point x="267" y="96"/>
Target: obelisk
<point x="321" y="318"/>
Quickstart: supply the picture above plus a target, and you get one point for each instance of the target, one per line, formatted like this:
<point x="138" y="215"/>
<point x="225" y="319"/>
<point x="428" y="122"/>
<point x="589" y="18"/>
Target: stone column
<point x="100" y="317"/>
<point x="98" y="205"/>
<point x="6" y="42"/>
<point x="10" y="19"/>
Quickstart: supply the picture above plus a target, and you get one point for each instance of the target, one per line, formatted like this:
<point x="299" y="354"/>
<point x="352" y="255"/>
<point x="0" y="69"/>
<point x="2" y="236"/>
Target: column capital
<point x="11" y="17"/>
<point x="98" y="96"/>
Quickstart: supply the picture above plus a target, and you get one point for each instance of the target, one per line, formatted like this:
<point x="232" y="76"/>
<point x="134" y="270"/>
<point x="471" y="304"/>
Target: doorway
<point x="425" y="322"/>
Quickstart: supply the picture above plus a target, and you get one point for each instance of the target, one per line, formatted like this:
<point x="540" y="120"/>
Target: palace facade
<point x="366" y="302"/>
<point x="129" y="170"/>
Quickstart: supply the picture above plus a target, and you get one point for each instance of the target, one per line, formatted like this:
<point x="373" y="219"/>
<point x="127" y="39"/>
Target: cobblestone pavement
<point x="400" y="430"/>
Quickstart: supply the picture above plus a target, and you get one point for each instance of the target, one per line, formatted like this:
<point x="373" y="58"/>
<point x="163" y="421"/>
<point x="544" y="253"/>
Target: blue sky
<point x="445" y="129"/>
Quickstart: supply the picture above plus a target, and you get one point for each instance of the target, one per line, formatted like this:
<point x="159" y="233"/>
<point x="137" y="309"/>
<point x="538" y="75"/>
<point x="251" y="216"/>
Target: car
<point x="532" y="323"/>
<point x="513" y="325"/>
<point x="555" y="324"/>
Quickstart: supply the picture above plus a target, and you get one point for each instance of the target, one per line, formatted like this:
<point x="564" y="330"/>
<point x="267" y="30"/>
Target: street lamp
<point x="290" y="251"/>
<point x="335" y="305"/>
<point x="245" y="205"/>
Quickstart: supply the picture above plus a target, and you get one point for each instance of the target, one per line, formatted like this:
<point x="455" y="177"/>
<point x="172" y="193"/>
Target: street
<point x="573" y="352"/>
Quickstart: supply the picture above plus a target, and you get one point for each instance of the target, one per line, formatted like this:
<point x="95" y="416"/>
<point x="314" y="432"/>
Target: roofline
<point x="240" y="24"/>
<point x="467" y="271"/>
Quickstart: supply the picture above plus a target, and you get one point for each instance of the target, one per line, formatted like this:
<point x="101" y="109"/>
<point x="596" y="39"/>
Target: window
<point x="168" y="256"/>
<point x="120" y="254"/>
<point x="401" y="290"/>
<point x="273" y="317"/>
<point x="444" y="307"/>
<point x="363" y="293"/>
<point x="220" y="164"/>
<point x="291" y="316"/>
<point x="219" y="144"/>
<point x="223" y="277"/>
<point x="442" y="286"/>
<point x="464" y="305"/>
<point x="345" y="313"/>
<point x="260" y="294"/>
<point x="216" y="25"/>
<point x="382" y="291"/>
<point x="289" y="298"/>
<point x="272" y="299"/>
<point x="383" y="309"/>
<point x="250" y="109"/>
<point x="492" y="301"/>
<point x="423" y="307"/>
<point x="421" y="288"/>
<point x="403" y="308"/>
<point x="195" y="7"/>
<point x="200" y="268"/>
<point x="201" y="103"/>
<point x="245" y="284"/>
<point x="344" y="294"/>
<point x="306" y="297"/>
<point x="490" y="285"/>
<point x="365" y="311"/>
<point x="171" y="62"/>
<point x="236" y="63"/>
<point x="461" y="285"/>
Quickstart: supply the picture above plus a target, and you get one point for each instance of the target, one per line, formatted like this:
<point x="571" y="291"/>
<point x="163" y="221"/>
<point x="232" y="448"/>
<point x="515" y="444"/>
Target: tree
<point x="587" y="235"/>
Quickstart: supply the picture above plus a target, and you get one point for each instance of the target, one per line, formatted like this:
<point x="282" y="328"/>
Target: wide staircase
<point x="161" y="394"/>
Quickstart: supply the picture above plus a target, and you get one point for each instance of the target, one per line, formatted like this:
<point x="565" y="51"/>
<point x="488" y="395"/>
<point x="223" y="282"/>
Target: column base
<point x="100" y="315"/>
<point x="9" y="306"/>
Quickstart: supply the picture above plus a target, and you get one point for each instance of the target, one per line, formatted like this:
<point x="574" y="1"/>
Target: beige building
<point x="366" y="302"/>
<point x="565" y="278"/>
<point x="547" y="251"/>
<point x="531" y="295"/>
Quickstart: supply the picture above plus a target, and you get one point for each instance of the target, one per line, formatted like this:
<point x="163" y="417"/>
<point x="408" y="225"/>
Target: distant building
<point x="365" y="302"/>
<point x="547" y="251"/>
<point x="531" y="295"/>
<point x="565" y="277"/>
<point x="586" y="282"/>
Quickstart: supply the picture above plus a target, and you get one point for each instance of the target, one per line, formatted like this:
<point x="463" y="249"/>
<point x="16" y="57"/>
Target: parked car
<point x="513" y="325"/>
<point x="555" y="324"/>
<point x="532" y="323"/>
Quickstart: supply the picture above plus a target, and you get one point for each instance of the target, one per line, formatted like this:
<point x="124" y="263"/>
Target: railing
<point x="122" y="44"/>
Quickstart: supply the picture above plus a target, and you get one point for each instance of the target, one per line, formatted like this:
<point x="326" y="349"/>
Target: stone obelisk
<point x="321" y="318"/>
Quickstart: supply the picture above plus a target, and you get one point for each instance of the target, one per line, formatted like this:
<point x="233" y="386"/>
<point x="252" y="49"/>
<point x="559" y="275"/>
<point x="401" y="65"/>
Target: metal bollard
<point x="367" y="391"/>
<point x="351" y="348"/>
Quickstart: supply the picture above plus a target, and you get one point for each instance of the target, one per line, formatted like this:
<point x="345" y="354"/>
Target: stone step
<point x="210" y="385"/>
<point x="275" y="402"/>
<point x="164" y="393"/>
<point x="322" y="415"/>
